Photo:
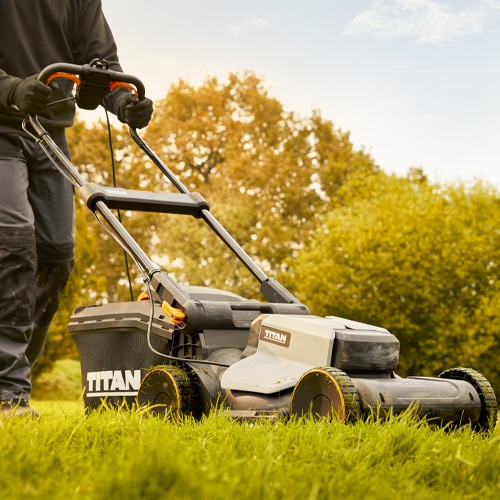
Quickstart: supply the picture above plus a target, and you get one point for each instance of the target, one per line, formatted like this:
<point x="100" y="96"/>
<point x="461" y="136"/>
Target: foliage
<point x="108" y="455"/>
<point x="418" y="259"/>
<point x="267" y="174"/>
<point x="103" y="153"/>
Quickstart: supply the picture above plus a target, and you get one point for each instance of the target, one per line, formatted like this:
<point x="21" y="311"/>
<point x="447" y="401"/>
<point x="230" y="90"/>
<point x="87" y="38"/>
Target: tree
<point x="418" y="259"/>
<point x="107" y="156"/>
<point x="267" y="174"/>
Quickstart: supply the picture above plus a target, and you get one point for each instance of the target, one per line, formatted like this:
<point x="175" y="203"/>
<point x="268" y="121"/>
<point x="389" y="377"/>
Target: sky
<point x="415" y="82"/>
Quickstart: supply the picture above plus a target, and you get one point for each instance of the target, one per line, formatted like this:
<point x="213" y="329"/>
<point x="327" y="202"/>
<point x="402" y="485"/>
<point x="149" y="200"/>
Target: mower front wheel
<point x="325" y="392"/>
<point x="168" y="391"/>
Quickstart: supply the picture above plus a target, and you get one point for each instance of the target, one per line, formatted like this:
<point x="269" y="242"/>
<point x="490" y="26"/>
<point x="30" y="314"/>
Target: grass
<point x="112" y="454"/>
<point x="118" y="454"/>
<point x="63" y="382"/>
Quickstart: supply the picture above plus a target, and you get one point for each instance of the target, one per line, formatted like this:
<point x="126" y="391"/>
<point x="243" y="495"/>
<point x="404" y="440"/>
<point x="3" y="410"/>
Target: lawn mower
<point x="186" y="350"/>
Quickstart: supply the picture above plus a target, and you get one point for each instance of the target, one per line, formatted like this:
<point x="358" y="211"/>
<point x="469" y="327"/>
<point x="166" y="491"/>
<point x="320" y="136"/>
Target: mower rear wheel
<point x="168" y="391"/>
<point x="488" y="415"/>
<point x="326" y="392"/>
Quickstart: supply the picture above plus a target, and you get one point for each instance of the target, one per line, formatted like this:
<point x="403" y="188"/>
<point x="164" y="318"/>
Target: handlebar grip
<point x="88" y="72"/>
<point x="48" y="71"/>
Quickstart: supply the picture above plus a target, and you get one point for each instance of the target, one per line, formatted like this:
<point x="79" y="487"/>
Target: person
<point x="36" y="201"/>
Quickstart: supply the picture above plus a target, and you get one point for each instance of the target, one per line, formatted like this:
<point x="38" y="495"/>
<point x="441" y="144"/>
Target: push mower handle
<point x="94" y="81"/>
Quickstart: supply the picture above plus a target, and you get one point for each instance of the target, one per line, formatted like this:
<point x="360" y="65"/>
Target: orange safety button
<point x="176" y="315"/>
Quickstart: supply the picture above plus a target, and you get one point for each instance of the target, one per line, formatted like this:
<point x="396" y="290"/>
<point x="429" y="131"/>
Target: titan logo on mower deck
<point x="273" y="336"/>
<point x="113" y="383"/>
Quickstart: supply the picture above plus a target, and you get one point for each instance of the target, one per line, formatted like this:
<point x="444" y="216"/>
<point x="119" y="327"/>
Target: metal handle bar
<point x="271" y="289"/>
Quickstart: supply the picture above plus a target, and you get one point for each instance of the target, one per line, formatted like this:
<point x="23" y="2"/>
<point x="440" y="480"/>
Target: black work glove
<point x="30" y="96"/>
<point x="133" y="112"/>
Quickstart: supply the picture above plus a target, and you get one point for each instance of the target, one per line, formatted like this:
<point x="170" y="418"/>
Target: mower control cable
<point x="168" y="356"/>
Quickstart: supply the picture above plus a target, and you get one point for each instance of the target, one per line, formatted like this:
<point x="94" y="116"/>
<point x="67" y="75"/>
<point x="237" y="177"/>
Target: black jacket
<point x="36" y="33"/>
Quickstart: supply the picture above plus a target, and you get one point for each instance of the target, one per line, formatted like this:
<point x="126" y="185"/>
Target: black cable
<point x="113" y="173"/>
<point x="168" y="356"/>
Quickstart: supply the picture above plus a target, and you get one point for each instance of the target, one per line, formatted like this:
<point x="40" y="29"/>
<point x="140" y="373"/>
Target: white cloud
<point x="429" y="21"/>
<point x="249" y="24"/>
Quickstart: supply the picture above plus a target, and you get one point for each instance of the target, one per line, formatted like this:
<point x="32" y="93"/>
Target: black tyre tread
<point x="349" y="392"/>
<point x="188" y="394"/>
<point x="488" y="415"/>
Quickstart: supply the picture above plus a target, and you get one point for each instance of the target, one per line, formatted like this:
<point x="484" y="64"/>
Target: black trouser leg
<point x="51" y="280"/>
<point x="17" y="299"/>
<point x="36" y="202"/>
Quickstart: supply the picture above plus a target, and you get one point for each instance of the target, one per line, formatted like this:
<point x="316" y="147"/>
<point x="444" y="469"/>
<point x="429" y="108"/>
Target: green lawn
<point x="125" y="455"/>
